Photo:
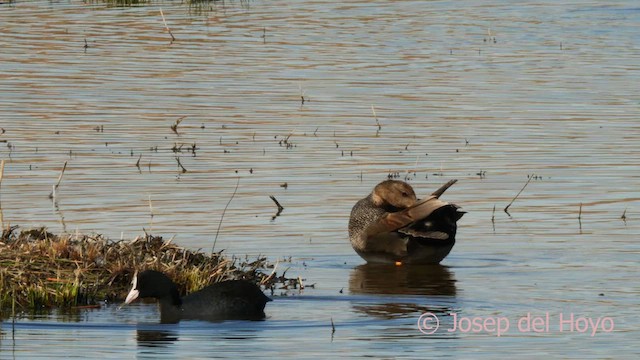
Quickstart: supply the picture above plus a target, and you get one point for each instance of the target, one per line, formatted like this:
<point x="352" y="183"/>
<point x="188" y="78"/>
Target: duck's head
<point x="393" y="195"/>
<point x="153" y="284"/>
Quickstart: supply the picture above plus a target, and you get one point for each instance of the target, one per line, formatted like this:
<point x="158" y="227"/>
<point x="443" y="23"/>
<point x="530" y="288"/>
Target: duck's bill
<point x="133" y="294"/>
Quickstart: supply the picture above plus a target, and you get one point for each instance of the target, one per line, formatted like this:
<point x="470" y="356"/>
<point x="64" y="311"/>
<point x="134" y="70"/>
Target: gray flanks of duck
<point x="391" y="225"/>
<point x="226" y="300"/>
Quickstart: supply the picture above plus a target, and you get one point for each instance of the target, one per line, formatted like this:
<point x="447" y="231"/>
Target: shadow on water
<point x="154" y="338"/>
<point x="427" y="280"/>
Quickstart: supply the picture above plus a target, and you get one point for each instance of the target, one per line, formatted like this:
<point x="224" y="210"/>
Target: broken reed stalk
<point x="580" y="216"/>
<point x="580" y="212"/>
<point x="506" y="209"/>
<point x="373" y="110"/>
<point x="286" y="140"/>
<point x="280" y="207"/>
<point x="302" y="99"/>
<point x="273" y="273"/>
<point x="173" y="38"/>
<point x="64" y="167"/>
<point x="150" y="206"/>
<point x="1" y="173"/>
<point x="493" y="214"/>
<point x="444" y="188"/>
<point x="493" y="218"/>
<point x="57" y="185"/>
<point x="183" y="169"/>
<point x="174" y="127"/>
<point x="222" y="216"/>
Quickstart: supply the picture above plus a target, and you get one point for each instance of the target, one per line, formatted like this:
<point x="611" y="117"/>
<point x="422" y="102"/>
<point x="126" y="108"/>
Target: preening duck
<point x="391" y="225"/>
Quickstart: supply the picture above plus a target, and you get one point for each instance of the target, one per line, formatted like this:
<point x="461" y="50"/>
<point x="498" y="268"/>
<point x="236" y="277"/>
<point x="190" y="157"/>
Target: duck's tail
<point x="444" y="188"/>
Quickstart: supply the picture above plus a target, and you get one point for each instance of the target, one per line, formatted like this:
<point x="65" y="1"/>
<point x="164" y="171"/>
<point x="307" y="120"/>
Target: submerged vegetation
<point x="41" y="270"/>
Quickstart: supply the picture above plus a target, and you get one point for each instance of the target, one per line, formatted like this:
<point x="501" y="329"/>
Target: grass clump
<point x="41" y="270"/>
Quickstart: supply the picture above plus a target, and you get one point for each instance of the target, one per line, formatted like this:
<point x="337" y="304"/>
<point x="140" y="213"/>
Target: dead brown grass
<point x="39" y="269"/>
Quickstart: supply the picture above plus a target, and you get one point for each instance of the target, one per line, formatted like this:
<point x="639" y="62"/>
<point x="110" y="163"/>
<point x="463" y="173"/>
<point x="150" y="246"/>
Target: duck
<point x="391" y="225"/>
<point x="226" y="300"/>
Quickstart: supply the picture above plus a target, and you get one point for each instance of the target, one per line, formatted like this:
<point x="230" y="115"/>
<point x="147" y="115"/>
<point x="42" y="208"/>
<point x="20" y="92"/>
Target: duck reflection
<point x="152" y="338"/>
<point x="421" y="280"/>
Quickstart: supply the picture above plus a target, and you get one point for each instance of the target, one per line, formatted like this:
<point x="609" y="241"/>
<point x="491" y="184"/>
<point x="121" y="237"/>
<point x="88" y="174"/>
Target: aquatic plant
<point x="41" y="270"/>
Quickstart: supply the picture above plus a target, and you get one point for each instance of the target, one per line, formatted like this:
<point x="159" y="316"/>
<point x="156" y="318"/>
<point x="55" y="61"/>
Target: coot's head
<point x="153" y="284"/>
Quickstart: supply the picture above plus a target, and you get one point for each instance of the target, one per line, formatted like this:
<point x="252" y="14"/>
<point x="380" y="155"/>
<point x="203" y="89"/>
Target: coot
<point x="233" y="299"/>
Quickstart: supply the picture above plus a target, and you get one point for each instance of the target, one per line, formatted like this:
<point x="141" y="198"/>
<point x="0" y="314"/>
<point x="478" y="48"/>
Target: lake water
<point x="485" y="92"/>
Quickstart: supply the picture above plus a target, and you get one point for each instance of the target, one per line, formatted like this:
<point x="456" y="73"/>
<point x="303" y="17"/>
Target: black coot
<point x="233" y="299"/>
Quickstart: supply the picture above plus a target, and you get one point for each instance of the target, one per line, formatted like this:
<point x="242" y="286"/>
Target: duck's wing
<point x="397" y="220"/>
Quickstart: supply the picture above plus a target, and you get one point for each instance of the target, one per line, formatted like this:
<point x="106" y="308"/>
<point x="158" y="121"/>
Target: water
<point x="555" y="95"/>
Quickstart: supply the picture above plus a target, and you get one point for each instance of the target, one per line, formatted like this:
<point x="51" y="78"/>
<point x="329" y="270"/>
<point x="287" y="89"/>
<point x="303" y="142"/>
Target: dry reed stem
<point x="174" y="127"/>
<point x="1" y="171"/>
<point x="64" y="167"/>
<point x="373" y="110"/>
<point x="173" y="38"/>
<point x="57" y="185"/>
<point x="150" y="206"/>
<point x="493" y="214"/>
<point x="302" y="99"/>
<point x="222" y="216"/>
<point x="1" y="176"/>
<point x="280" y="207"/>
<point x="580" y="217"/>
<point x="518" y="194"/>
<point x="275" y="267"/>
<point x="580" y="212"/>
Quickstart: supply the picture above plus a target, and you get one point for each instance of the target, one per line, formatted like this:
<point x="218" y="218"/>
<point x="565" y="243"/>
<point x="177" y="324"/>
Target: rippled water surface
<point x="485" y="92"/>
